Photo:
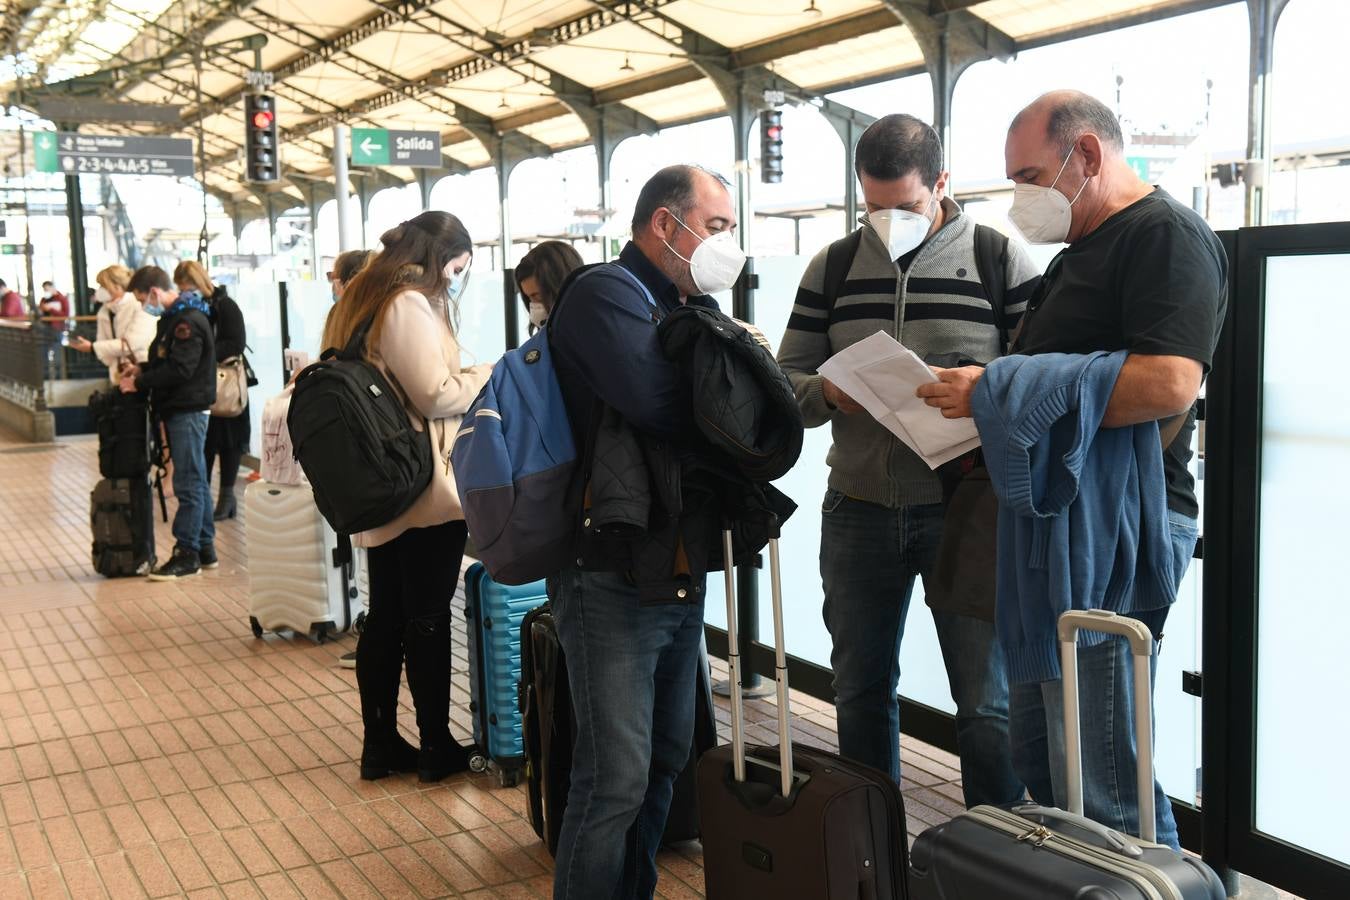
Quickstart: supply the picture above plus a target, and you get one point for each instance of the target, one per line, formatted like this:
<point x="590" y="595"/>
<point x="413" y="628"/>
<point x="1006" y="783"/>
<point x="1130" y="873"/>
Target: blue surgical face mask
<point x="457" y="281"/>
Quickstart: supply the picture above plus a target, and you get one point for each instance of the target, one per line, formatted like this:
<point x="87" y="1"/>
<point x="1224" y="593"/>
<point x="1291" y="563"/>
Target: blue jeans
<point x="193" y="527"/>
<point x="869" y="557"/>
<point x="631" y="668"/>
<point x="1106" y="725"/>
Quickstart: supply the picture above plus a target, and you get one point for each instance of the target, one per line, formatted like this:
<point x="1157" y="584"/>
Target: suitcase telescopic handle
<point x="734" y="663"/>
<point x="1141" y="649"/>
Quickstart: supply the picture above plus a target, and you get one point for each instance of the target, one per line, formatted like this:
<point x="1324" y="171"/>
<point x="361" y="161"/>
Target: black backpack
<point x="365" y="461"/>
<point x="126" y="442"/>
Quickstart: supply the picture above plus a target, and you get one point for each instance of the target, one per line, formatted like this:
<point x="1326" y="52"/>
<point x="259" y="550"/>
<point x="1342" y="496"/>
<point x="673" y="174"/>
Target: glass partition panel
<point x="1302" y="613"/>
<point x="307" y="307"/>
<point x="261" y="306"/>
<point x="482" y="318"/>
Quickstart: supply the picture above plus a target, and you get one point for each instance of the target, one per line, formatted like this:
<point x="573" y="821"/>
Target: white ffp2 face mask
<point x="900" y="230"/>
<point x="1043" y="214"/>
<point x="538" y="314"/>
<point x="101" y="295"/>
<point x="716" y="262"/>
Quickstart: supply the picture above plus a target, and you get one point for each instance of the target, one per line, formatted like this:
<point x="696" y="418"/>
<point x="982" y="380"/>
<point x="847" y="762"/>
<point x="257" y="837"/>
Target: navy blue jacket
<point x="1082" y="509"/>
<point x="605" y="346"/>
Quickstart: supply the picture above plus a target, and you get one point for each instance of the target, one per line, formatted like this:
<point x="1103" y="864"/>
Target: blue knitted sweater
<point x="1082" y="509"/>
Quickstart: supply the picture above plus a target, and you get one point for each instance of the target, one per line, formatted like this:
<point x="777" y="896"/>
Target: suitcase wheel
<point x="360" y="623"/>
<point x="256" y="626"/>
<point x="321" y="633"/>
<point x="478" y="762"/>
<point x="508" y="778"/>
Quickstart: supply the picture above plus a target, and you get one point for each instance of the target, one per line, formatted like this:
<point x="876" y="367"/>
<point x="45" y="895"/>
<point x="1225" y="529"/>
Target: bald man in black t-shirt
<point x="1141" y="273"/>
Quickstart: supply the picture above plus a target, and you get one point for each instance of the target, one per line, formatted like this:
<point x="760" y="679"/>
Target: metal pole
<point x="741" y="118"/>
<point x="1263" y="16"/>
<point x="80" y="300"/>
<point x="604" y="157"/>
<point x="340" y="187"/>
<point x="75" y="211"/>
<point x="850" y="178"/>
<point x="503" y="202"/>
<point x="512" y="308"/>
<point x="314" y="235"/>
<point x="747" y="577"/>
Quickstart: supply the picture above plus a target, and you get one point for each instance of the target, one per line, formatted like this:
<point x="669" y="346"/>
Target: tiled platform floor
<point x="150" y="746"/>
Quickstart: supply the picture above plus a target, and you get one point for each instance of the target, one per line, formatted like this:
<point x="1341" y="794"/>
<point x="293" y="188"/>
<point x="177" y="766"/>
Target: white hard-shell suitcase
<point x="303" y="576"/>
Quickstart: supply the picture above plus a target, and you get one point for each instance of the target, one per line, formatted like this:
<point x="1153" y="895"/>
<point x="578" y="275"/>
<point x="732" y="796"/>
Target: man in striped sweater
<point x="915" y="274"/>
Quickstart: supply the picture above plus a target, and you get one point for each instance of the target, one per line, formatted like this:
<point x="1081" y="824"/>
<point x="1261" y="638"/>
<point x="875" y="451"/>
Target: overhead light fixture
<point x="813" y="10"/>
<point x="503" y="104"/>
<point x="627" y="65"/>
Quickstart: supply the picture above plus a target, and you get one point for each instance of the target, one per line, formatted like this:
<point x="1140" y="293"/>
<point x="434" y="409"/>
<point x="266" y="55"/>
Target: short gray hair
<point x="1072" y="114"/>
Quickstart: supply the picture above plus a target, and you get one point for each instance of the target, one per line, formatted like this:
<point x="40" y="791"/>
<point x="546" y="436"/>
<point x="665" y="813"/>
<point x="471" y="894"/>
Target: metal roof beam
<point x="813" y="38"/>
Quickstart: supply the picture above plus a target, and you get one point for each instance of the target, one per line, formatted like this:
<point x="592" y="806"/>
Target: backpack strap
<point x="991" y="261"/>
<point x="838" y="261"/>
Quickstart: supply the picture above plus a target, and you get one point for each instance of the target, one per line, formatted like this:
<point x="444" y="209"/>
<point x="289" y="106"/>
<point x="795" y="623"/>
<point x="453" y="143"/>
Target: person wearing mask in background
<point x="227" y="437"/>
<point x="1141" y="273"/>
<point x="124" y="329"/>
<point x="914" y="275"/>
<point x="11" y="304"/>
<point x="54" y="306"/>
<point x="540" y="275"/>
<point x="180" y="376"/>
<point x="406" y="299"/>
<point x="345" y="268"/>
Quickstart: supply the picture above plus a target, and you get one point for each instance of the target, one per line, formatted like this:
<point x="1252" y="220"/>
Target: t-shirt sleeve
<point x="1173" y="292"/>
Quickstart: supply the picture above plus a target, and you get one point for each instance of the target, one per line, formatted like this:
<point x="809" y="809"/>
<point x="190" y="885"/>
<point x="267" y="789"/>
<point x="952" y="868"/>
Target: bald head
<point x="1062" y="117"/>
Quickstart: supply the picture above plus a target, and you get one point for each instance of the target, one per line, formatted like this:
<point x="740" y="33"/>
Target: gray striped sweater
<point x="938" y="306"/>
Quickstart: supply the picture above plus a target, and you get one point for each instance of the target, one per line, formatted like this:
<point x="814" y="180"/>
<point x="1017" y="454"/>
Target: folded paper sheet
<point x="882" y="375"/>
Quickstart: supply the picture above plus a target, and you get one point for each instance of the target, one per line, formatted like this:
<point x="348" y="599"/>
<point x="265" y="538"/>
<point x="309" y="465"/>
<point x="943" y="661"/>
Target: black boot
<point x="427" y="641"/>
<point x="383" y="750"/>
<point x="226" y="506"/>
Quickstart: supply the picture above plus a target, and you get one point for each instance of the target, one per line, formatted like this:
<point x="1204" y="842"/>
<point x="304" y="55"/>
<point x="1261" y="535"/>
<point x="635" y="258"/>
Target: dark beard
<point x="678" y="271"/>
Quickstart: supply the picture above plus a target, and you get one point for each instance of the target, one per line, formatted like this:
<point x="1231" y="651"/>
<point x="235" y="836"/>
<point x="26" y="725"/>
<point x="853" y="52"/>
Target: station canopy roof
<point x="516" y="78"/>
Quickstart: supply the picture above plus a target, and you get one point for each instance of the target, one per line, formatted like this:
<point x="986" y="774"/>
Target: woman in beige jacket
<point x="125" y="329"/>
<point x="406" y="296"/>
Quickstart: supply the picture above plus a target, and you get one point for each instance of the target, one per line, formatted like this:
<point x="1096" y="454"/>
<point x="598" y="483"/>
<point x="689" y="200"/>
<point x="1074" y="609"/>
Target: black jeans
<point x="412" y="580"/>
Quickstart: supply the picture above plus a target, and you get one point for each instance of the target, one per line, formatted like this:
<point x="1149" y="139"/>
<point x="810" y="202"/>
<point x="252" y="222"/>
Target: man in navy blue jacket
<point x="630" y="665"/>
<point x="1145" y="274"/>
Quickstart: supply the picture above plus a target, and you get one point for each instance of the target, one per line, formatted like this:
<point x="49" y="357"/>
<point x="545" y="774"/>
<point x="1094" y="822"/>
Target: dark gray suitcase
<point x="1042" y="853"/>
<point x="792" y="822"/>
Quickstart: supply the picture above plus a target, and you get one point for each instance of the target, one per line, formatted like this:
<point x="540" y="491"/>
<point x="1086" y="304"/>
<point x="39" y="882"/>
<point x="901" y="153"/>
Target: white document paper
<point x="882" y="375"/>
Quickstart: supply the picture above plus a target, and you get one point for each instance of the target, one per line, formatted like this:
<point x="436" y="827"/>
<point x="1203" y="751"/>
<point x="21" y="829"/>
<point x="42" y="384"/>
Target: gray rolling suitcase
<point x="1041" y="853"/>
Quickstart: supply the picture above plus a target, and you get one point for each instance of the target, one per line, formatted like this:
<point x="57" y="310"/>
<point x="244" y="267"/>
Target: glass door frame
<point x="1232" y="543"/>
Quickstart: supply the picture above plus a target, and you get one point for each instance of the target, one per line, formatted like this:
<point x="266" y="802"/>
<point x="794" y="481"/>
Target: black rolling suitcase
<point x="549" y="728"/>
<point x="1042" y="853"/>
<point x="122" y="519"/>
<point x="794" y="823"/>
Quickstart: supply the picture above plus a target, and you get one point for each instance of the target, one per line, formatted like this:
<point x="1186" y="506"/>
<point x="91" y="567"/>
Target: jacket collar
<point x="663" y="289"/>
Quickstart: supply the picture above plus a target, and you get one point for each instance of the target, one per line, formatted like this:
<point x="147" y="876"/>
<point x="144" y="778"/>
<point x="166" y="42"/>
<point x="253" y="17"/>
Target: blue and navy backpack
<point x="515" y="460"/>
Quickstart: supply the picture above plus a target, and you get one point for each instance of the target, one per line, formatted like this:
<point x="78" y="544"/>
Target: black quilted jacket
<point x="655" y="509"/>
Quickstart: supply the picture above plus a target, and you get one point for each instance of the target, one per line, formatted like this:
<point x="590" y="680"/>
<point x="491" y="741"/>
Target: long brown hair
<point x="190" y="272"/>
<point x="414" y="258"/>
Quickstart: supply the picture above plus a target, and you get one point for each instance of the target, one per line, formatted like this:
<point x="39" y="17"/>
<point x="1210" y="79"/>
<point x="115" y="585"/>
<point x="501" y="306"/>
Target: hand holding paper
<point x="882" y="375"/>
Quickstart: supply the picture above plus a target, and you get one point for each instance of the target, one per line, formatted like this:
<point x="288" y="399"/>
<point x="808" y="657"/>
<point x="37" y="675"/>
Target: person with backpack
<point x="227" y="437"/>
<point x="400" y="313"/>
<point x="919" y="269"/>
<point x="180" y="377"/>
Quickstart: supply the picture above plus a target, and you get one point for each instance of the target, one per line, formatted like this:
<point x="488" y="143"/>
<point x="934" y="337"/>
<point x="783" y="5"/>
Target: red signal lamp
<point x="263" y="119"/>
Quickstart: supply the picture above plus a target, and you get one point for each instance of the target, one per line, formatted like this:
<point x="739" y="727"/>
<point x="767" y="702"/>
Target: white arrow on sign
<point x="367" y="146"/>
